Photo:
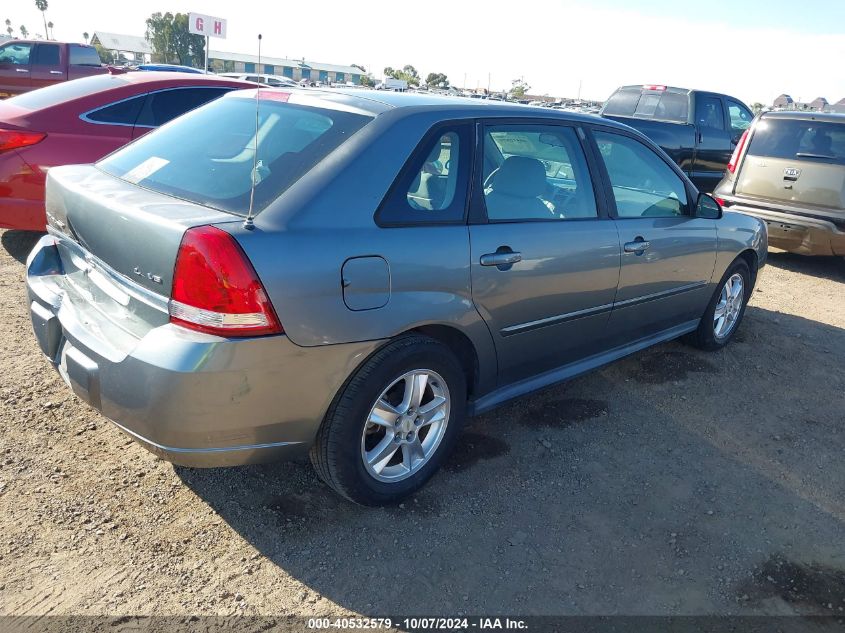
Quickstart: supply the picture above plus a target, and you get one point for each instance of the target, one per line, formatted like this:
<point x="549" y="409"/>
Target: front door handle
<point x="21" y="70"/>
<point x="56" y="72"/>
<point x="501" y="258"/>
<point x="638" y="246"/>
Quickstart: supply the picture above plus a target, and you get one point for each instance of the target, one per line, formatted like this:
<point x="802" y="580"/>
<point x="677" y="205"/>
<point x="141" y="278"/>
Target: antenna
<point x="248" y="224"/>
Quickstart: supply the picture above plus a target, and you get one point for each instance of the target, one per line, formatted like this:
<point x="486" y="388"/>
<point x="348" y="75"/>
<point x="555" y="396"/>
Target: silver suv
<point x="789" y="171"/>
<point x="383" y="266"/>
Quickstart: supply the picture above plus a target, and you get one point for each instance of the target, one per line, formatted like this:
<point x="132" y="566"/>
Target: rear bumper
<point x="190" y="398"/>
<point x="798" y="233"/>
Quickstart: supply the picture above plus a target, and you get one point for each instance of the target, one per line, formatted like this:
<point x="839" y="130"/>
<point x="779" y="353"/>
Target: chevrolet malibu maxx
<point x="382" y="266"/>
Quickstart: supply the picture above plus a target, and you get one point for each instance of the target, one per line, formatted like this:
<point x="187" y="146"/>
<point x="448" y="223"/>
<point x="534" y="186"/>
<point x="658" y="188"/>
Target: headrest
<point x="520" y="176"/>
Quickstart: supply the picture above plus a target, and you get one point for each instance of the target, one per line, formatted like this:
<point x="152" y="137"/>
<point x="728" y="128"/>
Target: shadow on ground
<point x="19" y="243"/>
<point x="832" y="268"/>
<point x="674" y="481"/>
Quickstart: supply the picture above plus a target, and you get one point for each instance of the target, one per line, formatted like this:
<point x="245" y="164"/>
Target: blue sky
<point x="753" y="50"/>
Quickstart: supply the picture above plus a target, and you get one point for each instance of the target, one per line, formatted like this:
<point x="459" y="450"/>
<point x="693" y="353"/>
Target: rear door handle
<point x="638" y="246"/>
<point x="56" y="72"/>
<point x="507" y="258"/>
<point x="21" y="70"/>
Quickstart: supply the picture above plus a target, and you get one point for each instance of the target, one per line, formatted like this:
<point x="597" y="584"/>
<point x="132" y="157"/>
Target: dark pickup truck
<point x="699" y="130"/>
<point x="26" y="64"/>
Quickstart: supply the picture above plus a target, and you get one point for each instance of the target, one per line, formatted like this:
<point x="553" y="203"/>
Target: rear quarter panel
<point x="300" y="245"/>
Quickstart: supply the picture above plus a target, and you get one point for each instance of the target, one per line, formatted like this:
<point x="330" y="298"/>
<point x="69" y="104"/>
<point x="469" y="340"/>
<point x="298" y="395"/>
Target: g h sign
<point x="206" y="25"/>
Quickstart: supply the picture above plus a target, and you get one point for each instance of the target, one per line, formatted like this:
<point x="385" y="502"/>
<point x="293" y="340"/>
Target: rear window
<point x="795" y="139"/>
<point x="207" y="155"/>
<point x="642" y="104"/>
<point x="66" y="91"/>
<point x="83" y="55"/>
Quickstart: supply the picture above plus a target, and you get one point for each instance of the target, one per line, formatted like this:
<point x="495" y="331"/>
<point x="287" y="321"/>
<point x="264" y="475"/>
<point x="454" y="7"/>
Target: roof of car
<point x="145" y="76"/>
<point x="378" y="101"/>
<point x="830" y="117"/>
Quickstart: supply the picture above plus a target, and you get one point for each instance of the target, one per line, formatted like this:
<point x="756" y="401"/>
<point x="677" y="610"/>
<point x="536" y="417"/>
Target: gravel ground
<point x="674" y="482"/>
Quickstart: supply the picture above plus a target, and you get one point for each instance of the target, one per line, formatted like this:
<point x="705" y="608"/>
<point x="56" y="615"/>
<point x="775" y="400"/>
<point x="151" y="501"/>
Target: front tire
<point x="394" y="422"/>
<point x="724" y="313"/>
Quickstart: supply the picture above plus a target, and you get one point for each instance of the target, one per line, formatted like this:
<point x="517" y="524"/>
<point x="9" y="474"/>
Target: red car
<point x="81" y="121"/>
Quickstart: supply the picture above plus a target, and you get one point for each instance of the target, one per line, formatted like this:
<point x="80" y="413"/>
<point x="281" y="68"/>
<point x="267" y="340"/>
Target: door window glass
<point x="433" y="184"/>
<point x="643" y="184"/>
<point x="163" y="106"/>
<point x="120" y="113"/>
<point x="710" y="113"/>
<point x="740" y="117"/>
<point x="15" y="53"/>
<point x="46" y="55"/>
<point x="536" y="173"/>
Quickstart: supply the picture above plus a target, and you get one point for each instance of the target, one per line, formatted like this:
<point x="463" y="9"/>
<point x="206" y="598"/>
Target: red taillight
<point x="216" y="289"/>
<point x="732" y="164"/>
<point x="15" y="139"/>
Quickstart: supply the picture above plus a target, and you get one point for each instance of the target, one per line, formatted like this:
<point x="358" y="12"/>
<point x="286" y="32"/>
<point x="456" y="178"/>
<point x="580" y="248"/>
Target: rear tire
<point x="382" y="462"/>
<point x="724" y="313"/>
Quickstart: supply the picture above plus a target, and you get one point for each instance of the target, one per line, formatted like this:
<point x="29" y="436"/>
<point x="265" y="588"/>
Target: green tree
<point x="518" y="88"/>
<point x="50" y="26"/>
<point x="171" y="41"/>
<point x="407" y="73"/>
<point x="85" y="36"/>
<point x="9" y="28"/>
<point x="757" y="107"/>
<point x="24" y="32"/>
<point x="437" y="80"/>
<point x="41" y="5"/>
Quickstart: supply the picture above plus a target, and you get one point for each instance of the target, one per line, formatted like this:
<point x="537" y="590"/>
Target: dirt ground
<point x="674" y="482"/>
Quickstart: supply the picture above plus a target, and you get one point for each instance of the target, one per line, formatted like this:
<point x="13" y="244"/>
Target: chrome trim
<point x="570" y="316"/>
<point x="85" y="115"/>
<point x="659" y="295"/>
<point x="222" y="449"/>
<point x="554" y="320"/>
<point x="124" y="283"/>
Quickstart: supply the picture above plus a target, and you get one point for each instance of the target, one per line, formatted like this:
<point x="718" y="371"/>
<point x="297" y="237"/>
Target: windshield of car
<point x="207" y="155"/>
<point x="799" y="140"/>
<point x="644" y="104"/>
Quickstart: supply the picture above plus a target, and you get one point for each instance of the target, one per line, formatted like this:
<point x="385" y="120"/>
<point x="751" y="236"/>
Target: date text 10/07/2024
<point x="419" y="624"/>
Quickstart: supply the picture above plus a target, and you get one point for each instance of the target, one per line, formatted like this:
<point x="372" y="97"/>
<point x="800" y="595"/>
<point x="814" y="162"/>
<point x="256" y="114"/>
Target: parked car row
<point x="349" y="274"/>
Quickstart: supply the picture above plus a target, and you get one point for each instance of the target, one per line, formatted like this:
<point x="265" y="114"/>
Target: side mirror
<point x="707" y="207"/>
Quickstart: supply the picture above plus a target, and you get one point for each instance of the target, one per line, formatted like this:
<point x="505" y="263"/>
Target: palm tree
<point x="50" y="26"/>
<point x="41" y="5"/>
<point x="24" y="32"/>
<point x="9" y="28"/>
<point x="85" y="36"/>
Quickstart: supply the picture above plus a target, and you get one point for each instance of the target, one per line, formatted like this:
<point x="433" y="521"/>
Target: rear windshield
<point x="84" y="55"/>
<point x="648" y="104"/>
<point x="66" y="91"/>
<point x="207" y="155"/>
<point x="794" y="139"/>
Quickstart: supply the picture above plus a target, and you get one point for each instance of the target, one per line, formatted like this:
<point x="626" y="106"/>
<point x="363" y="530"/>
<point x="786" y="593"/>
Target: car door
<point x="164" y="105"/>
<point x="15" y="60"/>
<point x="545" y="257"/>
<point x="668" y="255"/>
<point x="47" y="67"/>
<point x="713" y="145"/>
